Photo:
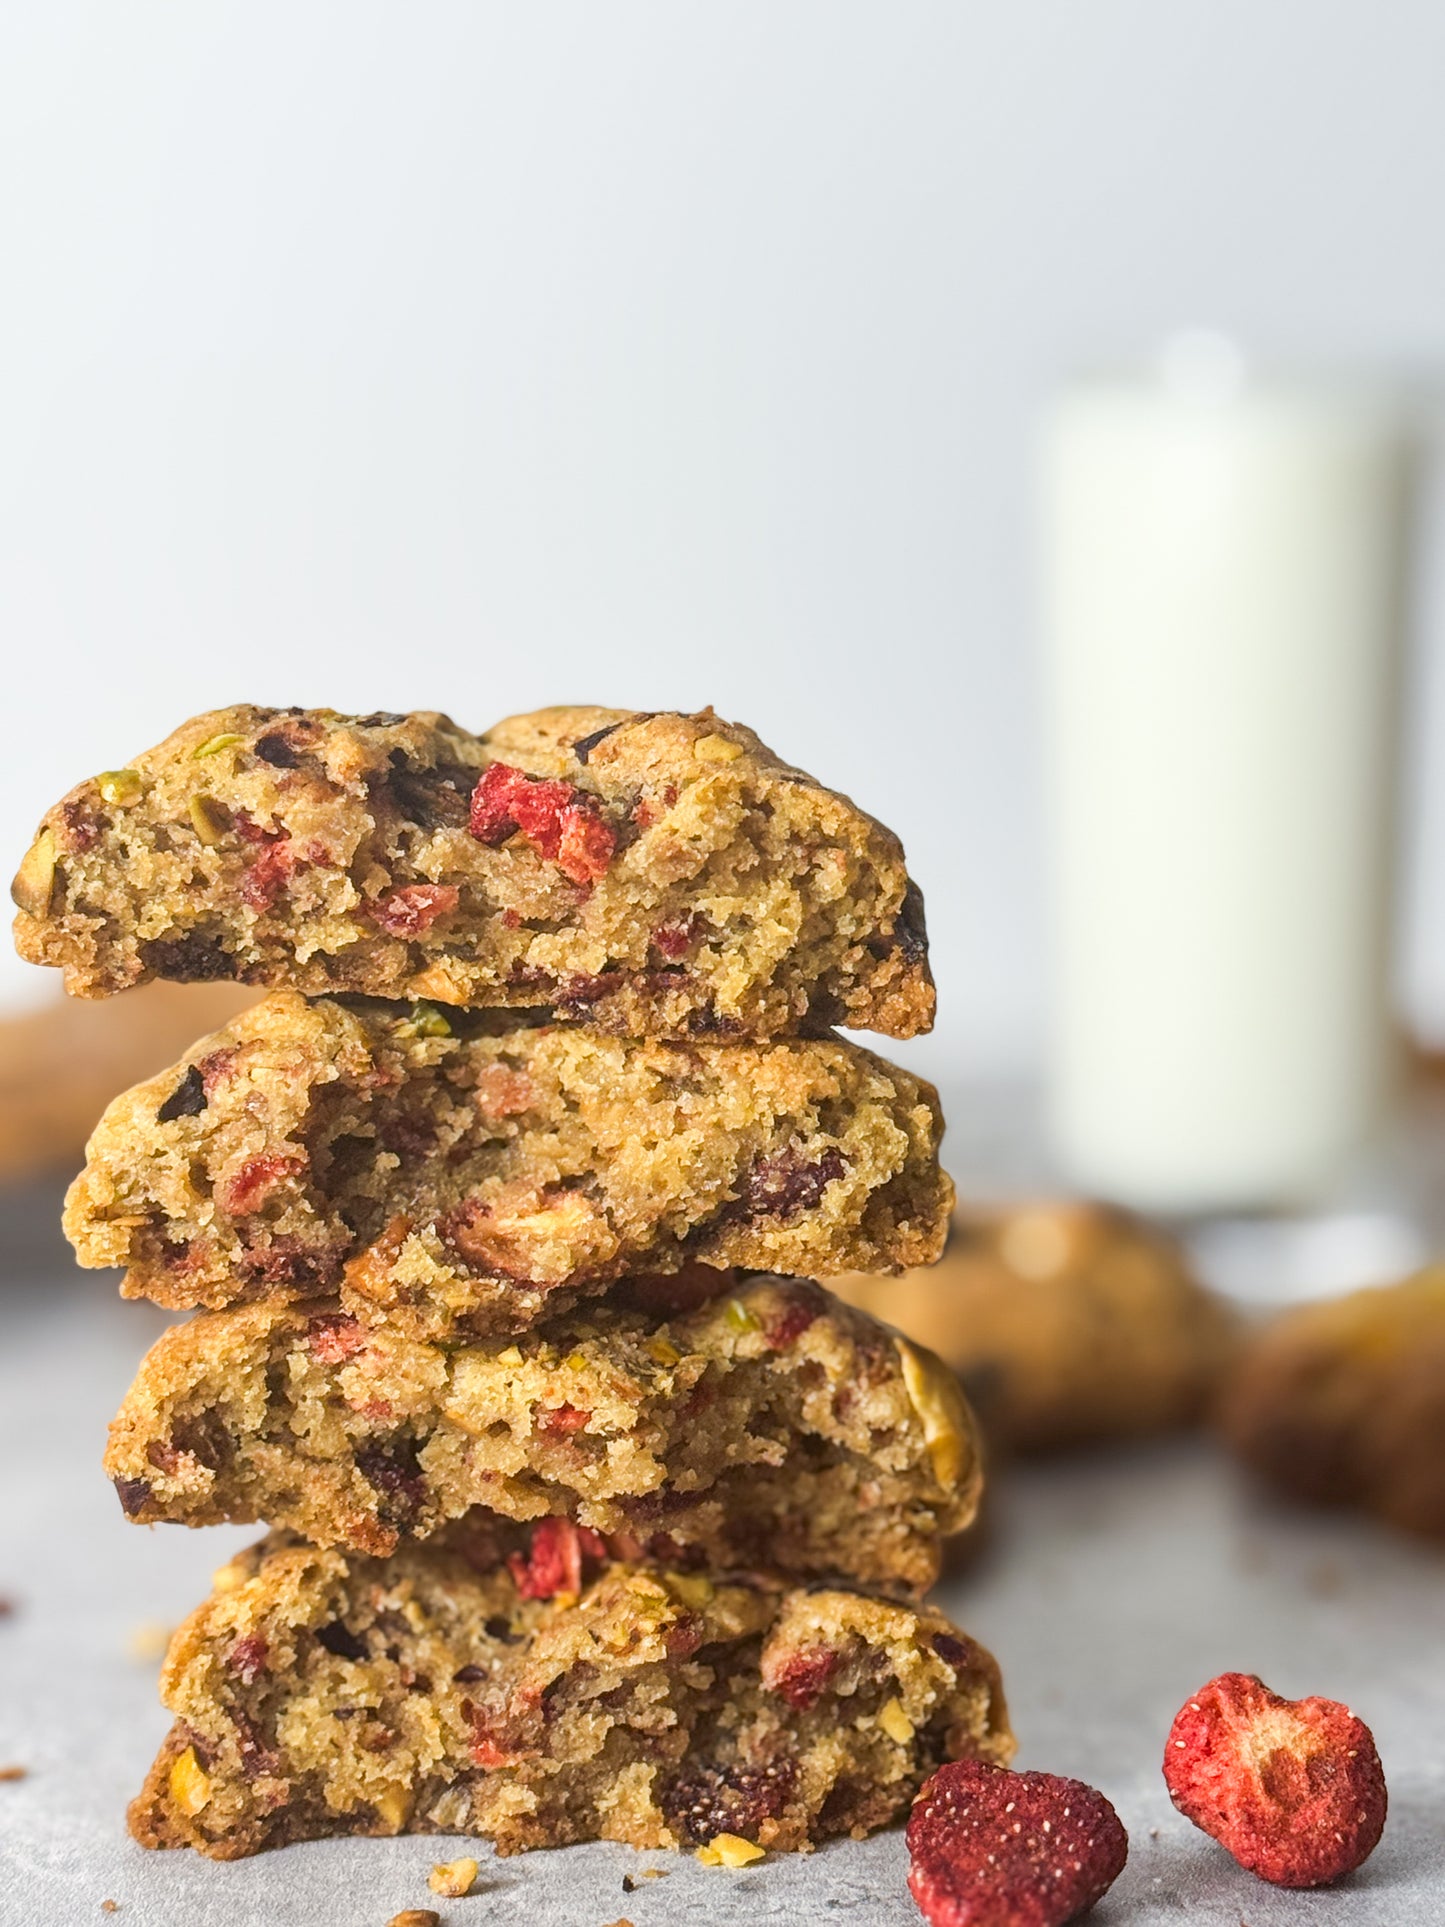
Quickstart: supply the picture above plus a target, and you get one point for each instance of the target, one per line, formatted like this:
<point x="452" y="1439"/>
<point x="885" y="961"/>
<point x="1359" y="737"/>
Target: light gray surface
<point x="1109" y="1588"/>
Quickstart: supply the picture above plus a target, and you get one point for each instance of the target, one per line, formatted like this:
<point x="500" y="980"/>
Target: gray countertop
<point x="1110" y="1587"/>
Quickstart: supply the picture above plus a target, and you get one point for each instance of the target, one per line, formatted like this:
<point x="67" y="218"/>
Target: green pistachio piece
<point x="213" y="745"/>
<point x="120" y="786"/>
<point x="34" y="884"/>
<point x="209" y="819"/>
<point x="740" y="1319"/>
<point x="423" y="1020"/>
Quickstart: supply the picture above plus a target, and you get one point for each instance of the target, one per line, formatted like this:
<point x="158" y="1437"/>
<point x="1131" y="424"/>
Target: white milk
<point x="1223" y="569"/>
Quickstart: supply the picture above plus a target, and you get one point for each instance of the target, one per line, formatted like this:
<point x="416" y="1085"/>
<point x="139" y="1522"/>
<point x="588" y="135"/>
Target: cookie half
<point x="461" y="1171"/>
<point x="773" y="1429"/>
<point x="652" y="874"/>
<point x="324" y="1693"/>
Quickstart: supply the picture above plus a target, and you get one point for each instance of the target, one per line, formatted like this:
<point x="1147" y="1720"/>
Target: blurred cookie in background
<point x="1342" y="1402"/>
<point x="1069" y="1322"/>
<point x="62" y="1063"/>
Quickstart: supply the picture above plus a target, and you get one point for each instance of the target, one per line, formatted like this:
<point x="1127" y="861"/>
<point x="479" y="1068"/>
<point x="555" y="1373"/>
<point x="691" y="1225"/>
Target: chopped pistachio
<point x="209" y="819"/>
<point x="213" y="745"/>
<point x="190" y="1785"/>
<point x="120" y="786"/>
<point x="663" y="1350"/>
<point x="938" y="1399"/>
<point x="392" y="1806"/>
<point x="423" y="1020"/>
<point x="716" y="749"/>
<point x="35" y="884"/>
<point x="729" y="1850"/>
<point x="694" y="1589"/>
<point x="740" y="1318"/>
<point x="894" y="1721"/>
<point x="576" y="1361"/>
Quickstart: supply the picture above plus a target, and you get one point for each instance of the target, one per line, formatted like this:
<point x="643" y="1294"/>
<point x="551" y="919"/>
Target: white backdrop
<point x="482" y="355"/>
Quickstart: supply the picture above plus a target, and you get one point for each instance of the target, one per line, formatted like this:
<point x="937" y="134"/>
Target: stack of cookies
<point x="591" y="1515"/>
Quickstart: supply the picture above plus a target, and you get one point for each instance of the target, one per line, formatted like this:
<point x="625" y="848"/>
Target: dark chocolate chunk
<point x="585" y="745"/>
<point x="134" y="1495"/>
<point x="781" y="1185"/>
<point x="338" y="1638"/>
<point x="188" y="1099"/>
<point x="193" y="959"/>
<point x="278" y="750"/>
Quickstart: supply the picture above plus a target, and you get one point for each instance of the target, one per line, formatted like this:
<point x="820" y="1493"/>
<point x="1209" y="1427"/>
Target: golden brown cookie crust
<point x="453" y="1173"/>
<point x="647" y="874"/>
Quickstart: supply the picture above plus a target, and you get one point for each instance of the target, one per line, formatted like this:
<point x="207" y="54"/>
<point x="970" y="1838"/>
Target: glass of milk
<point x="1223" y="568"/>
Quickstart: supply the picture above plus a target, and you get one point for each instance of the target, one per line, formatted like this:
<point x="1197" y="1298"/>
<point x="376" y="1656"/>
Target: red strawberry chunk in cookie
<point x="801" y="1677"/>
<point x="415" y="907"/>
<point x="1293" y="1789"/>
<point x="991" y="1848"/>
<point x="554" y="1563"/>
<point x="561" y="823"/>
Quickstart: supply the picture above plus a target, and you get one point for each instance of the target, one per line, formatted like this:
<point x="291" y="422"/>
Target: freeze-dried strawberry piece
<point x="800" y="1678"/>
<point x="255" y="1180"/>
<point x="1293" y="1789"/>
<point x="335" y="1338"/>
<point x="674" y="940"/>
<point x="560" y="822"/>
<point x="780" y="1332"/>
<point x="268" y="873"/>
<point x="554" y="1563"/>
<point x="413" y="908"/>
<point x="247" y="1658"/>
<point x="991" y="1848"/>
<point x="561" y="1420"/>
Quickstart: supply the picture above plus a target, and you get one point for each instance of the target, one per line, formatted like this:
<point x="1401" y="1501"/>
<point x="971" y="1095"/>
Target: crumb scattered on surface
<point x="147" y="1641"/>
<point x="416" y="1917"/>
<point x="13" y="1772"/>
<point x="7" y="1606"/>
<point x="110" y="1906"/>
<point x="452" y="1878"/>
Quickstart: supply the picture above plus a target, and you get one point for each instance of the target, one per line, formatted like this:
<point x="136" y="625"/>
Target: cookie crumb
<point x="729" y="1850"/>
<point x="416" y="1917"/>
<point x="13" y="1772"/>
<point x="452" y="1878"/>
<point x="147" y="1641"/>
<point x="110" y="1906"/>
<point x="7" y="1605"/>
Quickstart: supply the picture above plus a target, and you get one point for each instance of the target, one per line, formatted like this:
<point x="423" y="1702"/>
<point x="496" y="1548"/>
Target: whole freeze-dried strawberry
<point x="991" y="1848"/>
<point x="1293" y="1789"/>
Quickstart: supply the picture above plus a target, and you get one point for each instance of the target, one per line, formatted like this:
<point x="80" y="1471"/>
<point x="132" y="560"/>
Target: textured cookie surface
<point x="447" y="1170"/>
<point x="1068" y="1322"/>
<point x="1343" y="1402"/>
<point x="322" y="1693"/>
<point x="653" y="874"/>
<point x="771" y="1429"/>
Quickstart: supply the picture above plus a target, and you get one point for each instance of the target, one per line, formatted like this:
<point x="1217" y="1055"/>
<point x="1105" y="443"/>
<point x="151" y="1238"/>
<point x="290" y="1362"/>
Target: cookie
<point x="461" y="1171"/>
<point x="1342" y="1402"/>
<point x="652" y="874"/>
<point x="1069" y="1323"/>
<point x="774" y="1428"/>
<point x="319" y="1692"/>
